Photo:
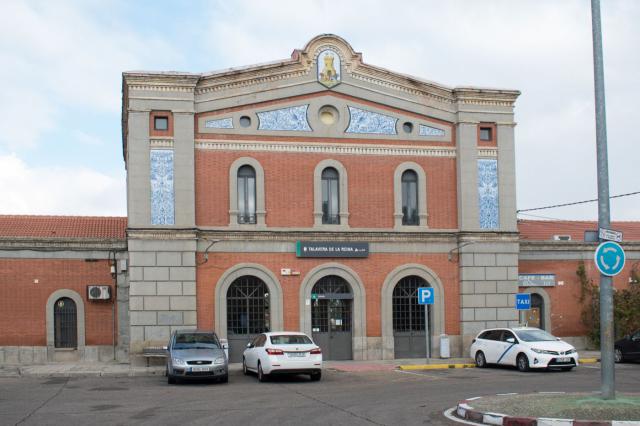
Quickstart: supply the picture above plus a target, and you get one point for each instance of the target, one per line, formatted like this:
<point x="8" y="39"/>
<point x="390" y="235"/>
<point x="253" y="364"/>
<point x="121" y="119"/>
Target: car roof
<point x="285" y="333"/>
<point x="195" y="332"/>
<point x="510" y="328"/>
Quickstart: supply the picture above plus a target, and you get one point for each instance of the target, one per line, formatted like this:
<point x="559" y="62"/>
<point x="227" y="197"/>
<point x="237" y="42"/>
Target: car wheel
<point x="316" y="376"/>
<point x="481" y="361"/>
<point x="171" y="380"/>
<point x="261" y="376"/>
<point x="523" y="363"/>
<point x="617" y="356"/>
<point x="244" y="367"/>
<point x="224" y="379"/>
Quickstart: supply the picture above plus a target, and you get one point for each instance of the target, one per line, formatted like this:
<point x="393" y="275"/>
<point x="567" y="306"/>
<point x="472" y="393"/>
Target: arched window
<point x="246" y="195"/>
<point x="330" y="196"/>
<point x="410" y="198"/>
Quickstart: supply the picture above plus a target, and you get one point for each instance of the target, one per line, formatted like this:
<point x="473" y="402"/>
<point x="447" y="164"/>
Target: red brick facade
<point x="372" y="272"/>
<point x="23" y="301"/>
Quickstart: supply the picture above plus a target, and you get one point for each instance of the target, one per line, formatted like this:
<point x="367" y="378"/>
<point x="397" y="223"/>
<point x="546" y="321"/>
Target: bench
<point x="153" y="352"/>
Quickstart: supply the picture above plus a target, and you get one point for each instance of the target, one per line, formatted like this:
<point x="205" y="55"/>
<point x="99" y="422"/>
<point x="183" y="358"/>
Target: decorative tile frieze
<point x="363" y="121"/>
<point x="222" y="123"/>
<point x="285" y="119"/>
<point x="353" y="149"/>
<point x="488" y="203"/>
<point x="162" y="195"/>
<point x="430" y="131"/>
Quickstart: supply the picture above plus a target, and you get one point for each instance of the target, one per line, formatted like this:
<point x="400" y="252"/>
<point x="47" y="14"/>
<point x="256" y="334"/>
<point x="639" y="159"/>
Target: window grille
<point x="248" y="306"/>
<point x="65" y="323"/>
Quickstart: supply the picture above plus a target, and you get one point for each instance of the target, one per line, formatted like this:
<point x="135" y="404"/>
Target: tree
<point x="626" y="305"/>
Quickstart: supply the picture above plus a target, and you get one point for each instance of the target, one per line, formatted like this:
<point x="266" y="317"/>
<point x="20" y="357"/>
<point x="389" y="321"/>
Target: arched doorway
<point x="65" y="323"/>
<point x="248" y="313"/>
<point x="535" y="316"/>
<point x="331" y="317"/>
<point x="409" y="318"/>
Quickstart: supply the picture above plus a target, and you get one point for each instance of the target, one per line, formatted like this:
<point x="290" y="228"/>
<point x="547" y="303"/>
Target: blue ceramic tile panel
<point x="223" y="123"/>
<point x="162" y="196"/>
<point x="362" y="121"/>
<point x="287" y="119"/>
<point x="430" y="131"/>
<point x="488" y="194"/>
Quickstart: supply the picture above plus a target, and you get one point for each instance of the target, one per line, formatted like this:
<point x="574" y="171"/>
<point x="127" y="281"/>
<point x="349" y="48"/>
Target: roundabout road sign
<point x="609" y="258"/>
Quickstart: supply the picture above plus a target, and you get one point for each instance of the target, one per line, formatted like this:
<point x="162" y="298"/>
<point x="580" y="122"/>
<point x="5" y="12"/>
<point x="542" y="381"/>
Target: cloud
<point x="59" y="191"/>
<point x="63" y="55"/>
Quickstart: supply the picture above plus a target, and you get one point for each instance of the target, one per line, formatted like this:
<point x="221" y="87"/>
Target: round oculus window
<point x="245" y="121"/>
<point x="407" y="127"/>
<point x="328" y="115"/>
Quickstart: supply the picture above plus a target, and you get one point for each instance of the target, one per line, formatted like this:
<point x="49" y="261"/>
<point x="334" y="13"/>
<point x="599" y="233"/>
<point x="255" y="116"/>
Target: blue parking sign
<point x="425" y="296"/>
<point x="523" y="301"/>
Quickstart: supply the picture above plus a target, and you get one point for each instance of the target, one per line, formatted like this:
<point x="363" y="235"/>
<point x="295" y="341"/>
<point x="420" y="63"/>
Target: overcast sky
<point x="61" y="64"/>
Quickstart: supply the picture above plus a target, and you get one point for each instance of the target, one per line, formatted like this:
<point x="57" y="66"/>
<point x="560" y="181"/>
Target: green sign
<point x="331" y="249"/>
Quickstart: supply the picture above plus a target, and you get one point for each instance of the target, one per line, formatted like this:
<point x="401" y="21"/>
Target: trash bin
<point x="444" y="346"/>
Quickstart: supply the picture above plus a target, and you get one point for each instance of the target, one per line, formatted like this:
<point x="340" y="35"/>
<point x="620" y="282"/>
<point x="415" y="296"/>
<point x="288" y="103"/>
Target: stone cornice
<point x="325" y="148"/>
<point x="61" y="244"/>
<point x="570" y="246"/>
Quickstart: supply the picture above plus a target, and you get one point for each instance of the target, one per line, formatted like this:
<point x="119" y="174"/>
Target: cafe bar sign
<point x="331" y="249"/>
<point x="536" y="280"/>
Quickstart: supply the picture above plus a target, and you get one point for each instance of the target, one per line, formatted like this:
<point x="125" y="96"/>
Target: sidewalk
<point x="126" y="370"/>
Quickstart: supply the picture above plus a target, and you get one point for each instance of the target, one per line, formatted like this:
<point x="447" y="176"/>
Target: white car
<point x="523" y="347"/>
<point x="282" y="353"/>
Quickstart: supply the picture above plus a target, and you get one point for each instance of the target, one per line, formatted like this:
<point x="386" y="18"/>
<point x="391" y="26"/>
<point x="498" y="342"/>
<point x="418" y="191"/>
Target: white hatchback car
<point x="282" y="353"/>
<point x="523" y="347"/>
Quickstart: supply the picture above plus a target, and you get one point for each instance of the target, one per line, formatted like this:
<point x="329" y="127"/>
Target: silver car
<point x="196" y="354"/>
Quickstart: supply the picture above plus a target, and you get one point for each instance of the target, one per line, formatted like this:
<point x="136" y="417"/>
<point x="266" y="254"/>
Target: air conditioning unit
<point x="99" y="292"/>
<point x="562" y="237"/>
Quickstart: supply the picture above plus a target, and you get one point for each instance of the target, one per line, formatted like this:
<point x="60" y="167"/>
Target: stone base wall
<point x="162" y="290"/>
<point x="15" y="355"/>
<point x="488" y="284"/>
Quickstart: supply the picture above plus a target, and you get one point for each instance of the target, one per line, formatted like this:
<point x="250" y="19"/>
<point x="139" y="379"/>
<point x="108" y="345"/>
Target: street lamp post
<point x="607" y="372"/>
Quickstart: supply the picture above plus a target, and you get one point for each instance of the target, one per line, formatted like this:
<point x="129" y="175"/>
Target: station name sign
<point x="536" y="280"/>
<point x="331" y="249"/>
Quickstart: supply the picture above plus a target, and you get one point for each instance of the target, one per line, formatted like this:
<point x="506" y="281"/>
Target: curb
<point x="588" y="361"/>
<point x="465" y="411"/>
<point x="434" y="366"/>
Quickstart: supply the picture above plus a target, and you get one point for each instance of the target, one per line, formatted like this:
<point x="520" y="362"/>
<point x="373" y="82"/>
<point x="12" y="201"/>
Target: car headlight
<point x="218" y="361"/>
<point x="542" y="351"/>
<point x="178" y="361"/>
<point x="570" y="351"/>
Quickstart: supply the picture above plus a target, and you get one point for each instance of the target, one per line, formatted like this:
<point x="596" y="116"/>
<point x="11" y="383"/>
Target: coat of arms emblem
<point x="329" y="68"/>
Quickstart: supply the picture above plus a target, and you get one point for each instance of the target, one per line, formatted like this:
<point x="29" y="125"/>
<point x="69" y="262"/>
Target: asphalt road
<point x="380" y="398"/>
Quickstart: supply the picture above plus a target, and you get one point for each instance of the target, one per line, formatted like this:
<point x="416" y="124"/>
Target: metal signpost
<point x="607" y="372"/>
<point x="425" y="297"/>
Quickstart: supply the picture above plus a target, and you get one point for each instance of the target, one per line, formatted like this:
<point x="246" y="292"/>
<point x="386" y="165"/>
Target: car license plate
<point x="296" y="354"/>
<point x="564" y="359"/>
<point x="195" y="369"/>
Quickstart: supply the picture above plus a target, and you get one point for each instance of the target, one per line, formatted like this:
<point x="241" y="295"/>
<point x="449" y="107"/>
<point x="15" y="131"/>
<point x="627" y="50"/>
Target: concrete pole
<point x="607" y="371"/>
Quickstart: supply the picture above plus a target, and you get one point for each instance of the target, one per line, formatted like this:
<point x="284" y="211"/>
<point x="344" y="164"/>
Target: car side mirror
<point x="511" y="340"/>
<point x="224" y="343"/>
<point x="558" y="339"/>
<point x="249" y="345"/>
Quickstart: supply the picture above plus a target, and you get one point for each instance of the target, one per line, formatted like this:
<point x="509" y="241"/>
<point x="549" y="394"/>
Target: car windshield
<point x="535" y="336"/>
<point x="290" y="340"/>
<point x="196" y="341"/>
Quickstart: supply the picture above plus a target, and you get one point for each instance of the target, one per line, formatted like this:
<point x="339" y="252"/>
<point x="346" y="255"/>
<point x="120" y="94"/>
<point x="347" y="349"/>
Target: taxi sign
<point x="609" y="258"/>
<point x="523" y="301"/>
